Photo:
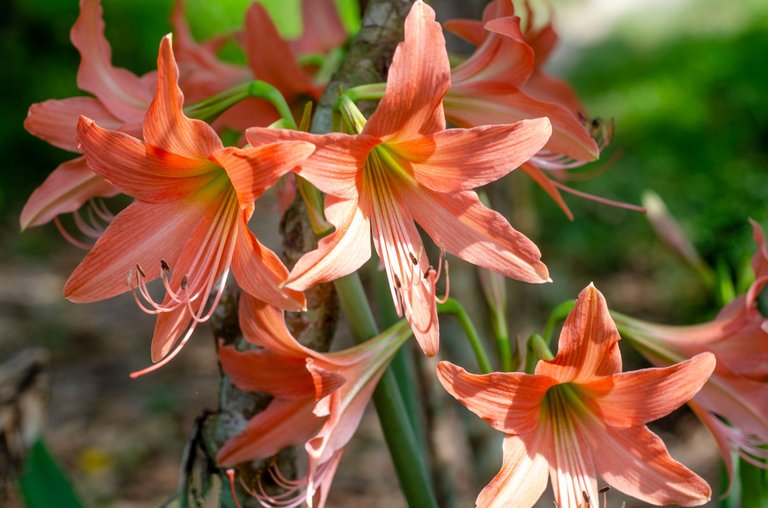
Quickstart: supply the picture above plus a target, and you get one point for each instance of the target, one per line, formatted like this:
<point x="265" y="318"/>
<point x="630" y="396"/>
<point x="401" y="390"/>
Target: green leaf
<point x="43" y="483"/>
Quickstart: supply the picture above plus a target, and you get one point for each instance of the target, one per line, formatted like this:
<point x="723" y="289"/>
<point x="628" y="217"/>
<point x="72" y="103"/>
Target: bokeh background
<point x="687" y="84"/>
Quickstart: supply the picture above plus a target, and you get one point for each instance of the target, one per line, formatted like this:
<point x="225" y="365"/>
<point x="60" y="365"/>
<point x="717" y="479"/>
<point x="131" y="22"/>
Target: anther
<point x="141" y="272"/>
<point x="184" y="282"/>
<point x="413" y="259"/>
<point x="398" y="284"/>
<point x="603" y="490"/>
<point x="164" y="266"/>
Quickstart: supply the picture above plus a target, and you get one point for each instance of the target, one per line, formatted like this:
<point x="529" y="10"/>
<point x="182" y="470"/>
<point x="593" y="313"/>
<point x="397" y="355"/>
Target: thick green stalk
<point x="398" y="431"/>
<point x="209" y="109"/>
<point x="454" y="308"/>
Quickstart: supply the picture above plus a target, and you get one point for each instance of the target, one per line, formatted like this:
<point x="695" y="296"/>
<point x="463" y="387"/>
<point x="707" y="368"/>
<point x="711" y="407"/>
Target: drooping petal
<point x="508" y="402"/>
<point x="629" y="399"/>
<point x="147" y="174"/>
<point x="265" y="371"/>
<point x="260" y="272"/>
<point x="416" y="81"/>
<point x="264" y="325"/>
<point x="462" y="159"/>
<point x="635" y="461"/>
<point x="340" y="253"/>
<point x="323" y="30"/>
<point x="271" y="59"/>
<point x="172" y="327"/>
<point x="588" y="345"/>
<point x="546" y="88"/>
<point x="165" y="125"/>
<point x="545" y="183"/>
<point x="571" y="463"/>
<point x="336" y="164"/>
<point x="742" y="402"/>
<point x="399" y="245"/>
<point x="56" y="120"/>
<point x="65" y="190"/>
<point x="253" y="170"/>
<point x="123" y="93"/>
<point x="503" y="104"/>
<point x="481" y="236"/>
<point x="715" y="427"/>
<point x="114" y="258"/>
<point x="523" y="475"/>
<point x="285" y="422"/>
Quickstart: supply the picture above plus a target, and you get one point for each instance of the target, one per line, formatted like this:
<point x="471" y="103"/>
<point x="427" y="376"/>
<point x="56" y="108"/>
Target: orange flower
<point x="503" y="81"/>
<point x="270" y="58"/>
<point x="318" y="401"/>
<point x="733" y="404"/>
<point x="578" y="416"/>
<point x="120" y="102"/>
<point x="188" y="224"/>
<point x="404" y="167"/>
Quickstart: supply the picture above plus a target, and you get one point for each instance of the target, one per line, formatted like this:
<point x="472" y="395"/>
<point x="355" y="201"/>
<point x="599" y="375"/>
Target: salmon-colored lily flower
<point x="188" y="224"/>
<point x="733" y="404"/>
<point x="318" y="401"/>
<point x="120" y="100"/>
<point x="579" y="417"/>
<point x="403" y="167"/>
<point x="270" y="58"/>
<point x="503" y="81"/>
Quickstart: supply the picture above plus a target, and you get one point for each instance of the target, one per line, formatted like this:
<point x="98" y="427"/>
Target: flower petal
<point x="503" y="57"/>
<point x="267" y="371"/>
<point x="165" y="126"/>
<point x="323" y="30"/>
<point x="476" y="234"/>
<point x="253" y="170"/>
<point x="123" y="93"/>
<point x="147" y="174"/>
<point x="462" y="159"/>
<point x="545" y="183"/>
<point x="338" y="254"/>
<point x="588" y="347"/>
<point x="336" y="164"/>
<point x="55" y="120"/>
<point x="571" y="465"/>
<point x="271" y="59"/>
<point x="472" y="106"/>
<point x="471" y="30"/>
<point x="264" y="325"/>
<point x="507" y="401"/>
<point x="284" y="423"/>
<point x="523" y="475"/>
<point x="260" y="272"/>
<point x="635" y="398"/>
<point x="416" y="81"/>
<point x="635" y="461"/>
<point x="65" y="190"/>
<point x="135" y="237"/>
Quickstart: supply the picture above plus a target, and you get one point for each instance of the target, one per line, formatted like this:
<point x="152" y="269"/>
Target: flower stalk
<point x="209" y="109"/>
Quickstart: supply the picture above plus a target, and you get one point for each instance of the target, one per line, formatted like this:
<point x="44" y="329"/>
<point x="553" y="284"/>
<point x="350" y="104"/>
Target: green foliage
<point x="43" y="483"/>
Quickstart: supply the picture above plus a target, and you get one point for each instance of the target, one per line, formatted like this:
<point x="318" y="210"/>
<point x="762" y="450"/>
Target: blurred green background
<point x="687" y="86"/>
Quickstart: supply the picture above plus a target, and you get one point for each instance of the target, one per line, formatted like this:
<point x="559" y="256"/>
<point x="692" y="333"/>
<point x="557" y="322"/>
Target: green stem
<point x="369" y="92"/>
<point x="540" y="347"/>
<point x="558" y="314"/>
<point x="501" y="332"/>
<point x="398" y="431"/>
<point x="454" y="308"/>
<point x="209" y="109"/>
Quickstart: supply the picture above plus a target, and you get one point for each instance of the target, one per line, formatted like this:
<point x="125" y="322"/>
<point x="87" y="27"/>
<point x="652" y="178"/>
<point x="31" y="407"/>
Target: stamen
<point x="65" y="234"/>
<point x="231" y="475"/>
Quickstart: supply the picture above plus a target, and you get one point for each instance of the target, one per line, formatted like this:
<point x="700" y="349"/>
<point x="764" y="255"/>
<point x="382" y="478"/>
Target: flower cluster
<point x="436" y="134"/>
